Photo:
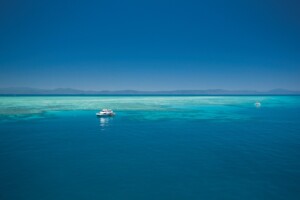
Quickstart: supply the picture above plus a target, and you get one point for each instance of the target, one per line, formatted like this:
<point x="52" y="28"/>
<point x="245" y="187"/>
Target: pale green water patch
<point x="146" y="107"/>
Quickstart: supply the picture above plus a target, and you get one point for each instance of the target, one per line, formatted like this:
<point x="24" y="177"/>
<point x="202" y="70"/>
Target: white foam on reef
<point x="149" y="107"/>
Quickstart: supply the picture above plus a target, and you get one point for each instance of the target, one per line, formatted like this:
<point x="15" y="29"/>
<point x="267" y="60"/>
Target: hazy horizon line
<point x="151" y="90"/>
<point x="66" y="90"/>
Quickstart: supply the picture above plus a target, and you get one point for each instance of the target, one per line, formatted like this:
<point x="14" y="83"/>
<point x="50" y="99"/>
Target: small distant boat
<point x="257" y="104"/>
<point x="106" y="112"/>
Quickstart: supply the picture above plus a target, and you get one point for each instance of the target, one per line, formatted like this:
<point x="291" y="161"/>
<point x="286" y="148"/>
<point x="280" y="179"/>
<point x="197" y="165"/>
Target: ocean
<point x="156" y="147"/>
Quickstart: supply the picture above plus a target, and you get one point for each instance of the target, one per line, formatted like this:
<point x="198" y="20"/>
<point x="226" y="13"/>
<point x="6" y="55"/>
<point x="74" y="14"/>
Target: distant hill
<point x="70" y="91"/>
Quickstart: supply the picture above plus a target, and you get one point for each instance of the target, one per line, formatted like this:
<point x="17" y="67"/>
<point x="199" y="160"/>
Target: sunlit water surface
<point x="156" y="147"/>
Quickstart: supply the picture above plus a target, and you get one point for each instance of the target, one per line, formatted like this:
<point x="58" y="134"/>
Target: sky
<point x="150" y="45"/>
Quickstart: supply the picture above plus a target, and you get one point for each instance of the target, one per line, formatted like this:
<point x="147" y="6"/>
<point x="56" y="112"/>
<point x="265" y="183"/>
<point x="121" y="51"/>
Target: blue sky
<point x="150" y="45"/>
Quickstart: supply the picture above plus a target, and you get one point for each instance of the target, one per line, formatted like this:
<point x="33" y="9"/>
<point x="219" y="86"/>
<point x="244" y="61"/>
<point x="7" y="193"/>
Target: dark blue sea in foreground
<point x="154" y="148"/>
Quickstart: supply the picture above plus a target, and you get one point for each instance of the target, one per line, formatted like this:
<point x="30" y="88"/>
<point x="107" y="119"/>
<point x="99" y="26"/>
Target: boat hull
<point x="105" y="115"/>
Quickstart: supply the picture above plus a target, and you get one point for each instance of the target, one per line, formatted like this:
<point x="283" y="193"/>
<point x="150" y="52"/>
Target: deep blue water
<point x="71" y="154"/>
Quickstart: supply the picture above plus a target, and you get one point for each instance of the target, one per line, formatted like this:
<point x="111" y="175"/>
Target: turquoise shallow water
<point x="201" y="147"/>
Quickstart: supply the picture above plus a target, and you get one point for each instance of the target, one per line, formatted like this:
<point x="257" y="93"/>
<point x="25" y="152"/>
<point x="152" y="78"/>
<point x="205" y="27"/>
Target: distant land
<point x="70" y="91"/>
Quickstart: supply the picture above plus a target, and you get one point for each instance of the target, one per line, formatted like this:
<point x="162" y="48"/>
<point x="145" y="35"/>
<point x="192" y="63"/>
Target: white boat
<point x="257" y="104"/>
<point x="105" y="112"/>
